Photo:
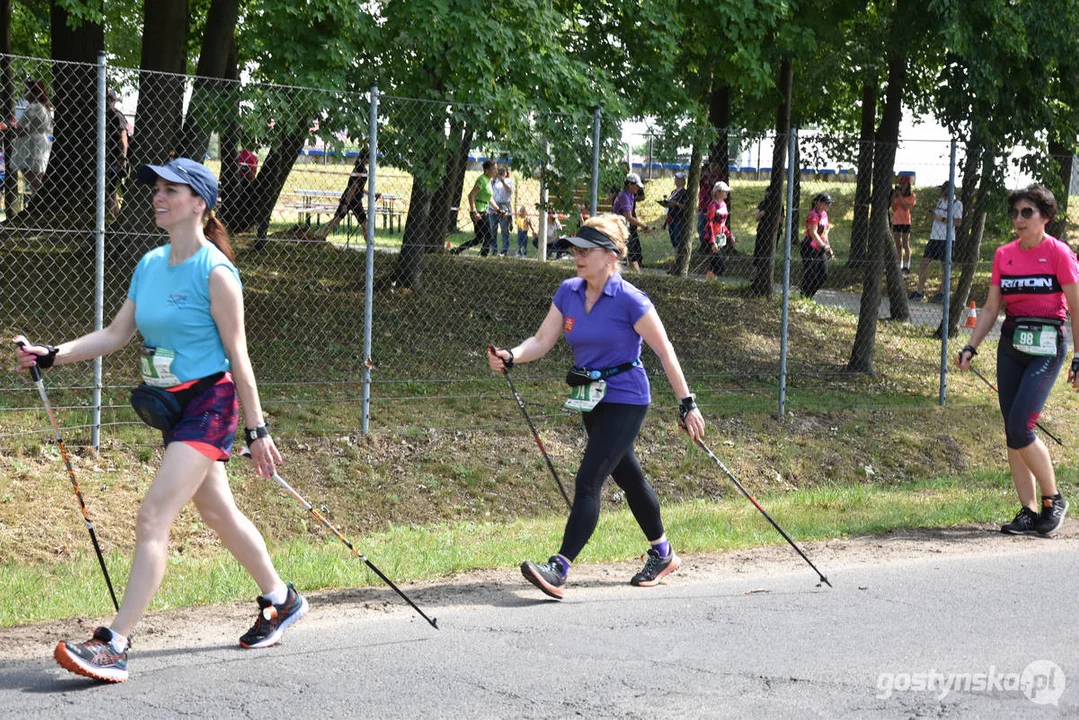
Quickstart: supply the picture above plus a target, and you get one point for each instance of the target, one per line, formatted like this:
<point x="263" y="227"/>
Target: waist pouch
<point x="582" y="376"/>
<point x="162" y="409"/>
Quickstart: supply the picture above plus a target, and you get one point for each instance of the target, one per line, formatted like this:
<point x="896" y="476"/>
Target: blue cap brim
<point x="148" y="175"/>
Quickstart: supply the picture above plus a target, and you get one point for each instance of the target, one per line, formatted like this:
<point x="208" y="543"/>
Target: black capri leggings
<point x="1024" y="382"/>
<point x="612" y="428"/>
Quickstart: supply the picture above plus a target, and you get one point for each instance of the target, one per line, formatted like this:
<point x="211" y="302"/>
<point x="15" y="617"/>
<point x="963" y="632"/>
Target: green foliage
<point x="30" y="28"/>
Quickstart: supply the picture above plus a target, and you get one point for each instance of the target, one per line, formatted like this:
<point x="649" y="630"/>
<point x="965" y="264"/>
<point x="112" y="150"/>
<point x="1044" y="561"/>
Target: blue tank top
<point x="172" y="309"/>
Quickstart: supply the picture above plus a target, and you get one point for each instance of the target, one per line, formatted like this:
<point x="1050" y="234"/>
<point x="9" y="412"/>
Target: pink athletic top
<point x="817" y="220"/>
<point x="1030" y="281"/>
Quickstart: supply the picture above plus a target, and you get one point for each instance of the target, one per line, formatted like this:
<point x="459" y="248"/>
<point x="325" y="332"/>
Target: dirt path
<point x="207" y="626"/>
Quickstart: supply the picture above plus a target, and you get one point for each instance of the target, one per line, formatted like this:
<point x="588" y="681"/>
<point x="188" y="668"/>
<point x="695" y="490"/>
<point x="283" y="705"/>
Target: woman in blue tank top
<point x="606" y="320"/>
<point x="185" y="300"/>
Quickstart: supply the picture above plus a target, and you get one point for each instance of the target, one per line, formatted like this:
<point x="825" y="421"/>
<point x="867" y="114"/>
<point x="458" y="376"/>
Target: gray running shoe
<point x="273" y="620"/>
<point x="1052" y="515"/>
<point x="656" y="568"/>
<point x="547" y="577"/>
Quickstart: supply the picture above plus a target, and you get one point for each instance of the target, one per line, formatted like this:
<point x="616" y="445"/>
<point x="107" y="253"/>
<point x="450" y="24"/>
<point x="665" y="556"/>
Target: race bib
<point x="585" y="397"/>
<point x="1035" y="339"/>
<point x="156" y="366"/>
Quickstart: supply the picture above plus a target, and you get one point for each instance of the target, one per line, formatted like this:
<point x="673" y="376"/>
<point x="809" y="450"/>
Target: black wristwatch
<point x="251" y="435"/>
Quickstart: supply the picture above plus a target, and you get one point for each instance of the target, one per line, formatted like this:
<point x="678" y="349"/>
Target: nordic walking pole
<point x="35" y="373"/>
<point x="535" y="433"/>
<point x="993" y="387"/>
<point x="288" y="488"/>
<point x="757" y="505"/>
<point x="307" y="506"/>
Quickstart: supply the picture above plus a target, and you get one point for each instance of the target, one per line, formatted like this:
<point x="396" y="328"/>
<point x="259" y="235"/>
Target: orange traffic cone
<point x="972" y="315"/>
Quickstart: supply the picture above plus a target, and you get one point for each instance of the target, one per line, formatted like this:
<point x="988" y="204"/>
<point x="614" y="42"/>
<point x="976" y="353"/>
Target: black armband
<point x="685" y="406"/>
<point x="969" y="348"/>
<point x="508" y="362"/>
<point x="253" y="434"/>
<point x="45" y="361"/>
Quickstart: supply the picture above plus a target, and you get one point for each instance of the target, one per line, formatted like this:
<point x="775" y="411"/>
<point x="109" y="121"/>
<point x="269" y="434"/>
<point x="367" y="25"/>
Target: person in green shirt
<point x="483" y="211"/>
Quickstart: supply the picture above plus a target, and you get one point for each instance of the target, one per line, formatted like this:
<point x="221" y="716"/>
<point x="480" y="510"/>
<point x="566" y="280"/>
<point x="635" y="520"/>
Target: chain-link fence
<point x="378" y="260"/>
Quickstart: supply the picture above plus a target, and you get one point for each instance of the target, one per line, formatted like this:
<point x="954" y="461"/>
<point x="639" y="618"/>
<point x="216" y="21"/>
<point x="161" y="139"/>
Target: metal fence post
<point x="542" y="244"/>
<point x="792" y="146"/>
<point x="595" y="161"/>
<point x="99" y="251"/>
<point x="945" y="322"/>
<point x="369" y="274"/>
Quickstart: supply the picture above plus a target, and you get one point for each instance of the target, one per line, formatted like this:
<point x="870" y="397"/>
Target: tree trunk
<point x="796" y="229"/>
<point x="859" y="228"/>
<point x="237" y="193"/>
<point x="211" y="102"/>
<point x="433" y="174"/>
<point x="883" y="257"/>
<point x="448" y="196"/>
<point x="7" y="103"/>
<point x="1062" y="156"/>
<point x="768" y="226"/>
<point x="693" y="184"/>
<point x="275" y="171"/>
<point x="719" y="116"/>
<point x="159" y="116"/>
<point x="966" y="248"/>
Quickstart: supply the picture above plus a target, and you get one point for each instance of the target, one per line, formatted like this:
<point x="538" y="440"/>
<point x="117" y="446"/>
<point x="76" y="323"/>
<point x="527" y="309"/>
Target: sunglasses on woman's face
<point x="1027" y="213"/>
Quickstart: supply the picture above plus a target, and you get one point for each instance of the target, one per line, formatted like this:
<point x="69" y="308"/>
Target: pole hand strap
<point x="685" y="406"/>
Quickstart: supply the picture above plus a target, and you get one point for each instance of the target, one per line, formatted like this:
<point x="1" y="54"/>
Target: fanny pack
<point x="162" y="409"/>
<point x="582" y="376"/>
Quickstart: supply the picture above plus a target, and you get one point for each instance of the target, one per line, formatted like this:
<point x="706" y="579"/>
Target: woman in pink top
<point x="1035" y="278"/>
<point x="717" y="235"/>
<point x="816" y="250"/>
<point x="903" y="200"/>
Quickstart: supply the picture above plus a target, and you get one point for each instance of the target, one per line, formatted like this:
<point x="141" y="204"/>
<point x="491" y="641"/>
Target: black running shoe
<point x="655" y="568"/>
<point x="1023" y="524"/>
<point x="547" y="577"/>
<point x="1052" y="515"/>
<point x="96" y="658"/>
<point x="274" y="620"/>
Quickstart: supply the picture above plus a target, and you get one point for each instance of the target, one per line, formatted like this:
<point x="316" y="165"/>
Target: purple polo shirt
<point x="605" y="338"/>
<point x="624" y="203"/>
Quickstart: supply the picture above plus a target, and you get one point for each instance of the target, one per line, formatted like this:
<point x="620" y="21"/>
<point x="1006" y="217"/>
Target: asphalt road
<point x="991" y="633"/>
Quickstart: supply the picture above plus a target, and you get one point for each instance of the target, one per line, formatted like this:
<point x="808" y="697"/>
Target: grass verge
<point x="37" y="593"/>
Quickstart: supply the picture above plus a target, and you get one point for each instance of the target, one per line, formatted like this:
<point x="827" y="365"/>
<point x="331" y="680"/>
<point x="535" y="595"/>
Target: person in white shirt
<point x="502" y="190"/>
<point x="936" y="248"/>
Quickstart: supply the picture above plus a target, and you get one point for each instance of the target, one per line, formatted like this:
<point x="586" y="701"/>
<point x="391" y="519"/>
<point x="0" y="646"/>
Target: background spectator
<point x="115" y="151"/>
<point x="33" y="143"/>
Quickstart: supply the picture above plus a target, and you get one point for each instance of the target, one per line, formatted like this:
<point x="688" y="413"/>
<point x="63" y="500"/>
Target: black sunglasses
<point x="1027" y="213"/>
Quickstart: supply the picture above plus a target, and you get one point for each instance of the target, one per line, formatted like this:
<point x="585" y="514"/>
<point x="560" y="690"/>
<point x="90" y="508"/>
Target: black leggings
<point x="814" y="268"/>
<point x="612" y="428"/>
<point x="1025" y="382"/>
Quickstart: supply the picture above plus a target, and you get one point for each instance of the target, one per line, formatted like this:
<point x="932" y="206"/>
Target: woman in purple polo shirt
<point x="605" y="319"/>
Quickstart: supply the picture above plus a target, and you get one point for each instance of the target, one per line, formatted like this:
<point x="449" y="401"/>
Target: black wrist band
<point x="685" y="406"/>
<point x="969" y="348"/>
<point x="251" y="435"/>
<point x="45" y="361"/>
<point x="508" y="363"/>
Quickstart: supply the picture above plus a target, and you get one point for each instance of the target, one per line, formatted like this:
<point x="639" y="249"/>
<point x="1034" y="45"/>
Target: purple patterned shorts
<point x="209" y="421"/>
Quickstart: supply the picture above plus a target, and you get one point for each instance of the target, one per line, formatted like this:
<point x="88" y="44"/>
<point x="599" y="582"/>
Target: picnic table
<point x="386" y="206"/>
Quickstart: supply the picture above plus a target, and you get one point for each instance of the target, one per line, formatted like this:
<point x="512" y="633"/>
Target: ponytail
<point x="215" y="232"/>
